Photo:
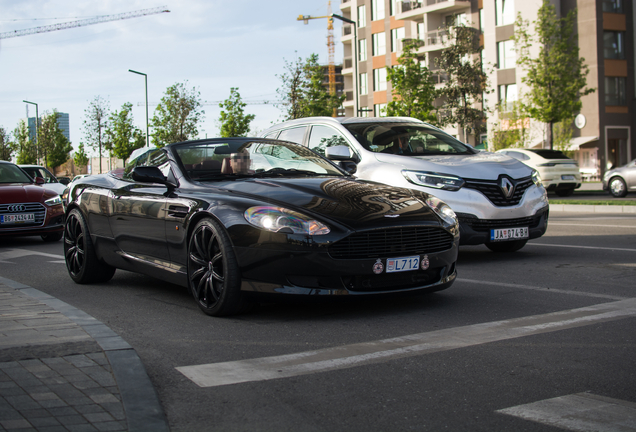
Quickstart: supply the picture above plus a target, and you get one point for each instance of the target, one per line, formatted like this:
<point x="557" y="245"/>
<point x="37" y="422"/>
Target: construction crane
<point x="84" y="22"/>
<point x="330" y="46"/>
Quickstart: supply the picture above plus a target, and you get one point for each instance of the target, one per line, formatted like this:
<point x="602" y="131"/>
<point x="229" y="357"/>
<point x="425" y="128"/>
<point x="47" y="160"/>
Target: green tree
<point x="177" y="116"/>
<point x="234" y="122"/>
<point x="80" y="158"/>
<point x="557" y="77"/>
<point x="302" y="93"/>
<point x="123" y="134"/>
<point x="25" y="146"/>
<point x="563" y="135"/>
<point x="512" y="129"/>
<point x="467" y="82"/>
<point x="53" y="144"/>
<point x="413" y="90"/>
<point x="6" y="146"/>
<point x="95" y="125"/>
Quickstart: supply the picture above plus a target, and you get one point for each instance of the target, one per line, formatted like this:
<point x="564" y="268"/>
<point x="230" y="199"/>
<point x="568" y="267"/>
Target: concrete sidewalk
<point x="62" y="370"/>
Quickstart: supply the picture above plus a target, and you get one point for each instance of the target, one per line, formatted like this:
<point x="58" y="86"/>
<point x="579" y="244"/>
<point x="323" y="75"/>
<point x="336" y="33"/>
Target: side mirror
<point x="149" y="174"/>
<point x="338" y="153"/>
<point x="348" y="166"/>
<point x="39" y="180"/>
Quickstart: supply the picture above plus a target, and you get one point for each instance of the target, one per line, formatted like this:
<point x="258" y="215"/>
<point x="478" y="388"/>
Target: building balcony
<point x="345" y="4"/>
<point x="347" y="66"/>
<point x="347" y="33"/>
<point x="409" y="9"/>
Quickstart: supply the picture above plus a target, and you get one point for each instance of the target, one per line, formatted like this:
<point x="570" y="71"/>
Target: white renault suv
<point x="499" y="201"/>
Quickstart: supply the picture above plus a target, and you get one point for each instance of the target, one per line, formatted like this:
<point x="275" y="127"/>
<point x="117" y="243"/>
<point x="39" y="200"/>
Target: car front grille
<point x="492" y="190"/>
<point x="37" y="209"/>
<point x="486" y="225"/>
<point x="392" y="243"/>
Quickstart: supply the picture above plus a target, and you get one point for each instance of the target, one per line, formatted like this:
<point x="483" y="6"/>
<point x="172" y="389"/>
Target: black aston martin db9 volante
<point x="237" y="217"/>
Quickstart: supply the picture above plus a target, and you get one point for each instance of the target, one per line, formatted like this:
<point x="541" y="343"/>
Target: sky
<point x="212" y="45"/>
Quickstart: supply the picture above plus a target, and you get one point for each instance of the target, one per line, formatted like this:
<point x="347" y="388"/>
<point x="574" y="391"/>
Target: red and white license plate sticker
<point x="508" y="234"/>
<point x="394" y="265"/>
<point x="17" y="218"/>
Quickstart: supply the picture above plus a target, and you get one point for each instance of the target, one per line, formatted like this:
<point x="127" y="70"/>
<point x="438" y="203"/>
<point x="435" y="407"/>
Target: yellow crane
<point x="79" y="23"/>
<point x="330" y="46"/>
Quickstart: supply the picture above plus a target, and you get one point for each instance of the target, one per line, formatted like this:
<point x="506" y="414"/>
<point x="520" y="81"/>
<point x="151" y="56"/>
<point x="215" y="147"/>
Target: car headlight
<point x="53" y="201"/>
<point x="282" y="220"/>
<point x="434" y="180"/>
<point x="442" y="209"/>
<point x="536" y="178"/>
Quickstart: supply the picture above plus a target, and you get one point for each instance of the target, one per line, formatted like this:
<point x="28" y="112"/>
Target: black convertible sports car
<point x="237" y="217"/>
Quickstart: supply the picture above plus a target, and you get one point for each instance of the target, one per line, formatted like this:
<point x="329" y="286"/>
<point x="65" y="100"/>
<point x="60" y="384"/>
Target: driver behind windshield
<point x="240" y="163"/>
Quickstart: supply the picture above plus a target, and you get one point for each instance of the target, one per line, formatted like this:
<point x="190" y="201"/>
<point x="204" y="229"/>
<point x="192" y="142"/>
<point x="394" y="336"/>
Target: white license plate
<point x="567" y="177"/>
<point x="508" y="234"/>
<point x="17" y="218"/>
<point x="394" y="265"/>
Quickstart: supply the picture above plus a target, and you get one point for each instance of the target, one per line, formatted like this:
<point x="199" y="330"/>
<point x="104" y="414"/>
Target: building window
<point x="612" y="6"/>
<point x="393" y="7"/>
<point x="379" y="79"/>
<point x="378" y="44"/>
<point x="507" y="96"/>
<point x="421" y="33"/>
<point x="455" y="20"/>
<point x="615" y="91"/>
<point x="364" y="84"/>
<point x="379" y="110"/>
<point x="504" y="12"/>
<point x="377" y="10"/>
<point x="362" y="16"/>
<point x="613" y="45"/>
<point x="506" y="55"/>
<point x="362" y="50"/>
<point x="396" y="37"/>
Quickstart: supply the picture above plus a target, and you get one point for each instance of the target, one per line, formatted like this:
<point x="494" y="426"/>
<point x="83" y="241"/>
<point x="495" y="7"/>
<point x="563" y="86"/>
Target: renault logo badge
<point x="507" y="187"/>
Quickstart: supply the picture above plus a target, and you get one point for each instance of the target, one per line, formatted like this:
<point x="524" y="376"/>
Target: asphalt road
<point x="551" y="325"/>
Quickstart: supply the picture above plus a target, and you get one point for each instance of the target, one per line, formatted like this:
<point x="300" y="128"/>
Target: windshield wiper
<point x="217" y="176"/>
<point x="282" y="172"/>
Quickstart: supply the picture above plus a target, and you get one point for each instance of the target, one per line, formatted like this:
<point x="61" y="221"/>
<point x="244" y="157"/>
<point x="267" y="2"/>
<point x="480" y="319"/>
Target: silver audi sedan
<point x="499" y="201"/>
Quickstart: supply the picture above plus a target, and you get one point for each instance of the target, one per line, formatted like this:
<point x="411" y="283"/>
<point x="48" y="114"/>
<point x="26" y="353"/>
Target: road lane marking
<point x="581" y="412"/>
<point x="20" y="253"/>
<point x="552" y="290"/>
<point x="581" y="247"/>
<point x="289" y="365"/>
<point x="592" y="225"/>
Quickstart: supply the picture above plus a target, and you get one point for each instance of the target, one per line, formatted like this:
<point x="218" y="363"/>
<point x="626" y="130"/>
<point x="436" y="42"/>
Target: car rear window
<point x="549" y="154"/>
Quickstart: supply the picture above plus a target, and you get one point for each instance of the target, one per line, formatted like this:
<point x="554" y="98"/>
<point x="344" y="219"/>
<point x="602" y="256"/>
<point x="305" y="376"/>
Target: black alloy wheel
<point x="79" y="253"/>
<point x="507" y="246"/>
<point x="617" y="187"/>
<point x="213" y="272"/>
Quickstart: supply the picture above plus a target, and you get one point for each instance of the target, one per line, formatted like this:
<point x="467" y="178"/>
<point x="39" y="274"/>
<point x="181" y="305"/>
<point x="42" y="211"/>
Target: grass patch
<point x="626" y="202"/>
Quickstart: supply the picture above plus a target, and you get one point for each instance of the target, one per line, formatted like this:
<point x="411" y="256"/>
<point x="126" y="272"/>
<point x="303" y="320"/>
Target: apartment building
<point x="602" y="135"/>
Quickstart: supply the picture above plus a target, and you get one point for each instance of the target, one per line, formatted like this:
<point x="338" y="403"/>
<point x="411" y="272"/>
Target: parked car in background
<point x="559" y="173"/>
<point x="619" y="181"/>
<point x="231" y="218"/>
<point x="500" y="202"/>
<point x="50" y="181"/>
<point x="26" y="207"/>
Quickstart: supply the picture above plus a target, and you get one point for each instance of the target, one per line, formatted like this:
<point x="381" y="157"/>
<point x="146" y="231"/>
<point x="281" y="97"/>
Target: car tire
<point x="564" y="192"/>
<point x="82" y="262"/>
<point x="617" y="187"/>
<point x="52" y="237"/>
<point x="214" y="277"/>
<point x="508" y="246"/>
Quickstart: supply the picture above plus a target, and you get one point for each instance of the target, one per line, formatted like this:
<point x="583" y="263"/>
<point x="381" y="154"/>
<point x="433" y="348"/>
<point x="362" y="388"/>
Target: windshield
<point x="40" y="172"/>
<point x="12" y="174"/>
<point x="408" y="139"/>
<point x="221" y="161"/>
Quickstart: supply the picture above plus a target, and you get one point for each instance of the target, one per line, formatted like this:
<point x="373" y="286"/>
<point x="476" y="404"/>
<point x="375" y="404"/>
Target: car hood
<point x="482" y="165"/>
<point x="22" y="193"/>
<point x="352" y="202"/>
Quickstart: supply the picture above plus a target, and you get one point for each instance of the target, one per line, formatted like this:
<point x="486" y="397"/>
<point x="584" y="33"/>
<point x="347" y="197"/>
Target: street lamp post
<point x="37" y="127"/>
<point x="146" y="81"/>
<point x="306" y="18"/>
<point x="355" y="58"/>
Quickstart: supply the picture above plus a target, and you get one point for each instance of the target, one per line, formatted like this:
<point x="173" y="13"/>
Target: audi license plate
<point x="394" y="265"/>
<point x="508" y="234"/>
<point x="17" y="218"/>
